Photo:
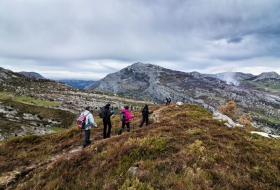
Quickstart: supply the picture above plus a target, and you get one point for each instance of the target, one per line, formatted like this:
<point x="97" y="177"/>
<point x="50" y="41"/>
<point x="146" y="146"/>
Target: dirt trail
<point x="156" y="114"/>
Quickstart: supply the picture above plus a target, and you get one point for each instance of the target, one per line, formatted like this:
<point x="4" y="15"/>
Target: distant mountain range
<point x="237" y="77"/>
<point x="81" y="84"/>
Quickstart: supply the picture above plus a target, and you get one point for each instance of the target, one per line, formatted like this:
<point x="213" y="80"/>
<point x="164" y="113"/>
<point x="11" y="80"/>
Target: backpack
<point x="102" y="113"/>
<point x="122" y="116"/>
<point x="81" y="121"/>
<point x="145" y="111"/>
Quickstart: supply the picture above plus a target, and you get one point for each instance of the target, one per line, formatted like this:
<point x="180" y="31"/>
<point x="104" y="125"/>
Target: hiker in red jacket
<point x="126" y="122"/>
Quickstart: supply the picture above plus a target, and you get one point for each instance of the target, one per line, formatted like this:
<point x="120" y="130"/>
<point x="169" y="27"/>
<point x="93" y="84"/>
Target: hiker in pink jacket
<point x="126" y="121"/>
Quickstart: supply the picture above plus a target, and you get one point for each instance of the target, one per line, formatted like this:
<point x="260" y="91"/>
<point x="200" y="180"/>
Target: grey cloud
<point x="234" y="40"/>
<point x="184" y="32"/>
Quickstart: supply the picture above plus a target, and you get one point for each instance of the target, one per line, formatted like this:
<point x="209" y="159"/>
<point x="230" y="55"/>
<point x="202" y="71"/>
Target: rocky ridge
<point x="156" y="83"/>
<point x="267" y="75"/>
<point x="31" y="74"/>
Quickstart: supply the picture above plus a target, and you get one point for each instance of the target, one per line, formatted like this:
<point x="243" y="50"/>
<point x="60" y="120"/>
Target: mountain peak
<point x="143" y="65"/>
<point x="267" y="75"/>
<point x="31" y="74"/>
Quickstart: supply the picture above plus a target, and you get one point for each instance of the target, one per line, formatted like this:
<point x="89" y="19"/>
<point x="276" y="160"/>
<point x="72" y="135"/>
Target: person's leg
<point x="86" y="138"/>
<point x="147" y="120"/>
<point x="143" y="120"/>
<point x="121" y="129"/>
<point x="104" y="130"/>
<point x="109" y="130"/>
<point x="89" y="141"/>
<point x="127" y="127"/>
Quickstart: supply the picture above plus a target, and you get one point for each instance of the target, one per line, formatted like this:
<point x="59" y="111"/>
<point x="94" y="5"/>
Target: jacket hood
<point x="125" y="110"/>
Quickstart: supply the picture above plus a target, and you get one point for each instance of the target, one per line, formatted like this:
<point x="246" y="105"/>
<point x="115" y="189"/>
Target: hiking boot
<point x="120" y="131"/>
<point x="128" y="129"/>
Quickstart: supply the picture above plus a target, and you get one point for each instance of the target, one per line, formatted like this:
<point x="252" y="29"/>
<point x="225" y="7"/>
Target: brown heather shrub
<point x="245" y="120"/>
<point x="228" y="109"/>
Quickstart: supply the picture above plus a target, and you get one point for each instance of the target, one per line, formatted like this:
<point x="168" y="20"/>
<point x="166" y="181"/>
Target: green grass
<point x="6" y="95"/>
<point x="271" y="119"/>
<point x="269" y="85"/>
<point x="28" y="100"/>
<point x="57" y="129"/>
<point x="40" y="116"/>
<point x="34" y="101"/>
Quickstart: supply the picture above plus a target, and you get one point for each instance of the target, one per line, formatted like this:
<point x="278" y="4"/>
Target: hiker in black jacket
<point x="107" y="121"/>
<point x="145" y="115"/>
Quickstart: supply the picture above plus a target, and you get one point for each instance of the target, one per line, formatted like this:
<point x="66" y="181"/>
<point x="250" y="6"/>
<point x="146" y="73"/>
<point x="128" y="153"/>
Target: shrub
<point x="135" y="184"/>
<point x="245" y="120"/>
<point x="228" y="109"/>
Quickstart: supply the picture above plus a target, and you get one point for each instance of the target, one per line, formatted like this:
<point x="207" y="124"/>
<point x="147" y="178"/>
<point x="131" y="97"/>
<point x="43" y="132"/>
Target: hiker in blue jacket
<point x="89" y="122"/>
<point x="107" y="121"/>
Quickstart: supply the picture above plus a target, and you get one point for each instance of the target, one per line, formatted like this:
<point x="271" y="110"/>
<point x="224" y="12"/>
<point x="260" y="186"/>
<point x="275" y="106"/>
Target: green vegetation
<point x="184" y="149"/>
<point x="57" y="129"/>
<point x="28" y="100"/>
<point x="271" y="119"/>
<point x="40" y="116"/>
<point x="268" y="85"/>
<point x="34" y="101"/>
<point x="6" y="95"/>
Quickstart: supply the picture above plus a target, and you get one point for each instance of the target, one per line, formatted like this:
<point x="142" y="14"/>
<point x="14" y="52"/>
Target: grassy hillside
<point x="270" y="85"/>
<point x="182" y="148"/>
<point x="20" y="114"/>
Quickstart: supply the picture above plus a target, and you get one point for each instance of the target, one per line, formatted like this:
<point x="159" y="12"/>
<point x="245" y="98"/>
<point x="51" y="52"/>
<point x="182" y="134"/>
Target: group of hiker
<point x="167" y="101"/>
<point x="106" y="114"/>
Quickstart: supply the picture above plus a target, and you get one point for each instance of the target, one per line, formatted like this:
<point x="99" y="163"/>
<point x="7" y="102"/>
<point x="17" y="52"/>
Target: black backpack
<point x="102" y="113"/>
<point x="122" y="116"/>
<point x="145" y="111"/>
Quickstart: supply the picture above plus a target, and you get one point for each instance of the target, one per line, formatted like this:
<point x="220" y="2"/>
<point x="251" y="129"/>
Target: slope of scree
<point x="181" y="148"/>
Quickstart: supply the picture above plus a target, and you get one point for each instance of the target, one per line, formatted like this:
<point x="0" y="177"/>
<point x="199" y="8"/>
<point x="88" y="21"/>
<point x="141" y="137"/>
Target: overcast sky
<point x="88" y="39"/>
